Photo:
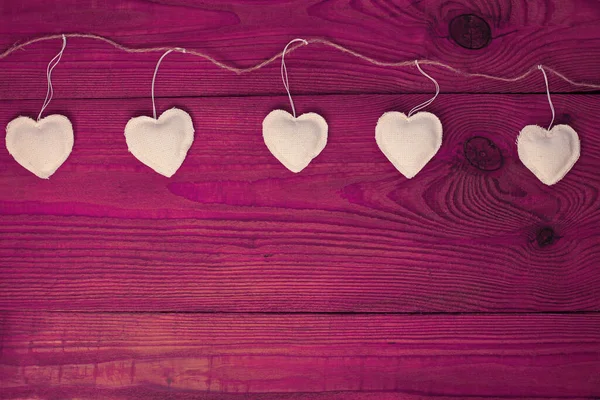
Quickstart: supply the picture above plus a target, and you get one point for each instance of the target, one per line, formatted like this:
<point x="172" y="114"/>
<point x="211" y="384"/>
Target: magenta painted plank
<point x="559" y="34"/>
<point x="151" y="393"/>
<point x="233" y="230"/>
<point x="237" y="236"/>
<point x="138" y="356"/>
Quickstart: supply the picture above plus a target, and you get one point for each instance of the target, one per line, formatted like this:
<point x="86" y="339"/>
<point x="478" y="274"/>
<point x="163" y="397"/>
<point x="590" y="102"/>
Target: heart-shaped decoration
<point x="408" y="142"/>
<point x="549" y="154"/>
<point x="42" y="146"/>
<point x="294" y="141"/>
<point x="162" y="143"/>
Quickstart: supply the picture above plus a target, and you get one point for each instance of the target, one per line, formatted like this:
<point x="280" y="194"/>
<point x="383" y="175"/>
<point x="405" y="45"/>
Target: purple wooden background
<point x="238" y="279"/>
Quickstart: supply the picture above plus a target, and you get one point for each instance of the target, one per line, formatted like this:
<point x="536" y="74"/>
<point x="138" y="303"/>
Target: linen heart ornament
<point x="549" y="154"/>
<point x="162" y="143"/>
<point x="294" y="141"/>
<point x="41" y="146"/>
<point x="408" y="142"/>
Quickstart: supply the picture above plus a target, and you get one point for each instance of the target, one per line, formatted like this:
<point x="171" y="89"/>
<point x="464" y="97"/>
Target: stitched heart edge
<point x="570" y="162"/>
<point x="186" y="143"/>
<point x="37" y="124"/>
<point x="394" y="160"/>
<point x="295" y="168"/>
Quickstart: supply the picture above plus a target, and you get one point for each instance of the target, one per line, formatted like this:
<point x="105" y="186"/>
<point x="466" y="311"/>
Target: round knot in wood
<point x="470" y="31"/>
<point x="545" y="237"/>
<point x="483" y="154"/>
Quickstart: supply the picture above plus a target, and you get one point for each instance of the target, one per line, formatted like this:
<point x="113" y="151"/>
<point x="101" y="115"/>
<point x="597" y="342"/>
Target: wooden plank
<point x="150" y="393"/>
<point x="158" y="394"/>
<point x="233" y="230"/>
<point x="559" y="34"/>
<point x="511" y="356"/>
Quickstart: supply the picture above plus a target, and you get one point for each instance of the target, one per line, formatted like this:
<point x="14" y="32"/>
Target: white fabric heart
<point x="294" y="141"/>
<point x="40" y="147"/>
<point x="162" y="143"/>
<point x="408" y="142"/>
<point x="549" y="154"/>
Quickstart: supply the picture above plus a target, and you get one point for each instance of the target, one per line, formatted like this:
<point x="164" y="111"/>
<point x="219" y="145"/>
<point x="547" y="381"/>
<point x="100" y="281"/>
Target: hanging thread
<point x="156" y="71"/>
<point x="428" y="102"/>
<point x="275" y="57"/>
<point x="541" y="68"/>
<point x="284" y="74"/>
<point x="51" y="65"/>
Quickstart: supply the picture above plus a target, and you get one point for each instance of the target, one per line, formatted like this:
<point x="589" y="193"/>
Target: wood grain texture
<point x="556" y="33"/>
<point x="415" y="356"/>
<point x="345" y="282"/>
<point x="234" y="230"/>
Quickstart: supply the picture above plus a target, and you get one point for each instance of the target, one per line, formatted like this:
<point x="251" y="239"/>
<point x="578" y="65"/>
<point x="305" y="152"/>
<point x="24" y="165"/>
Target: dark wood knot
<point x="483" y="154"/>
<point x="470" y="31"/>
<point x="564" y="118"/>
<point x="546" y="237"/>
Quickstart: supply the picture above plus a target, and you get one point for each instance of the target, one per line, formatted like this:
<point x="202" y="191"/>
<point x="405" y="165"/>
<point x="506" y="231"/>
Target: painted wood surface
<point x="512" y="356"/>
<point x="237" y="279"/>
<point x="234" y="230"/>
<point x="559" y="34"/>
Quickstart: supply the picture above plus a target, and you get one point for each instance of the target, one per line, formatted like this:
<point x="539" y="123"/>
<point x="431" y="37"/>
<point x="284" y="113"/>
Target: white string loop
<point x="51" y="65"/>
<point x="541" y="68"/>
<point x="179" y="49"/>
<point x="428" y="102"/>
<point x="284" y="75"/>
